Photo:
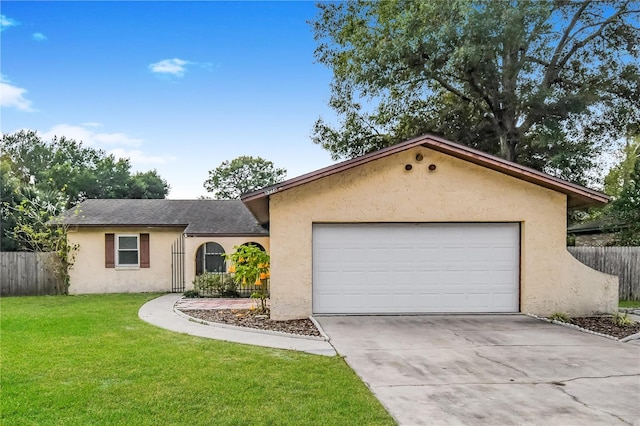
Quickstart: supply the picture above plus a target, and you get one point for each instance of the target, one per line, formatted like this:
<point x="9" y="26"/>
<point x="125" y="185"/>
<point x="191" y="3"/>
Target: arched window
<point x="209" y="258"/>
<point x="251" y="243"/>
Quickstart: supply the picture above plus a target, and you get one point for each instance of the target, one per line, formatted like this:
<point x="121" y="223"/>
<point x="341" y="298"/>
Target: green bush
<point x="216" y="285"/>
<point x="191" y="294"/>
<point x="251" y="266"/>
<point x="560" y="316"/>
<point x="621" y="319"/>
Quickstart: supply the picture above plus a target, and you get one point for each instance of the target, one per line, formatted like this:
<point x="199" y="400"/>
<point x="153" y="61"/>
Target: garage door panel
<point x="396" y="268"/>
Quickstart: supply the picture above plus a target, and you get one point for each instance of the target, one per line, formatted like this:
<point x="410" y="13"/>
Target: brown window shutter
<point x="144" y="250"/>
<point x="109" y="251"/>
<point x="200" y="260"/>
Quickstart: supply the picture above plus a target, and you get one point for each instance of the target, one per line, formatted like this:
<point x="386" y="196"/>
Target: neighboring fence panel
<point x="621" y="261"/>
<point x="27" y="274"/>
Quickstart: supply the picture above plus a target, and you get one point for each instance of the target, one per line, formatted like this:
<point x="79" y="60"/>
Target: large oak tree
<point x="541" y="82"/>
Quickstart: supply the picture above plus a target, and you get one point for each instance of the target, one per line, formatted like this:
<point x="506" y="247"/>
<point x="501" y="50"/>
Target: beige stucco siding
<point x="457" y="191"/>
<point x="89" y="274"/>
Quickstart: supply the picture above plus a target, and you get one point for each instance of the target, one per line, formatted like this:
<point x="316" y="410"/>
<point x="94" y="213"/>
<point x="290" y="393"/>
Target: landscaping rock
<point x="605" y="325"/>
<point x="253" y="319"/>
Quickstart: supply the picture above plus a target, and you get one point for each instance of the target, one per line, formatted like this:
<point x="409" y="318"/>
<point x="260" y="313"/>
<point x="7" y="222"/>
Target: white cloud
<point x="13" y="96"/>
<point x="138" y="157"/>
<point x="6" y="22"/>
<point x="92" y="124"/>
<point x="116" y="139"/>
<point x="38" y="37"/>
<point x="176" y="67"/>
<point x="118" y="144"/>
<point x="91" y="137"/>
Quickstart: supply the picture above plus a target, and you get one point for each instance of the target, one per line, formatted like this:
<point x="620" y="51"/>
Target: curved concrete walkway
<point x="160" y="312"/>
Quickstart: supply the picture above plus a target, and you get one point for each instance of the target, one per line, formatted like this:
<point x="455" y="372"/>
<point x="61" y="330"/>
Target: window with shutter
<point x="127" y="250"/>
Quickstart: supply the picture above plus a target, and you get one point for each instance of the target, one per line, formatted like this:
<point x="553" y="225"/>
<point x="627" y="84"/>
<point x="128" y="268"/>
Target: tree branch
<point x="595" y="34"/>
<point x="452" y="89"/>
<point x="552" y="68"/>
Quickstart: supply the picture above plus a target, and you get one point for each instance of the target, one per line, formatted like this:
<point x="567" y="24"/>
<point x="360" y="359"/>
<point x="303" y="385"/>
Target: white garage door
<point x="416" y="267"/>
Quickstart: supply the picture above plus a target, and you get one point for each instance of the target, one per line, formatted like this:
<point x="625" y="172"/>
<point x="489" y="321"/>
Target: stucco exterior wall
<point x="89" y="274"/>
<point x="457" y="191"/>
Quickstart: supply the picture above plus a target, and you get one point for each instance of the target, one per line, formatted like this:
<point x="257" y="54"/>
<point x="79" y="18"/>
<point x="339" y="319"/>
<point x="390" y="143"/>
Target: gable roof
<point x="577" y="196"/>
<point x="197" y="217"/>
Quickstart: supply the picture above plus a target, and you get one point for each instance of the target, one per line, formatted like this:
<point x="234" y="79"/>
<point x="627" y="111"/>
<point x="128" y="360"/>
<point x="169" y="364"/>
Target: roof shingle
<point x="198" y="217"/>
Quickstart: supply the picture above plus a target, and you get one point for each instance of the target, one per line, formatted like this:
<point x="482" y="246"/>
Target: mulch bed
<point x="252" y="319"/>
<point x="305" y="327"/>
<point x="605" y="325"/>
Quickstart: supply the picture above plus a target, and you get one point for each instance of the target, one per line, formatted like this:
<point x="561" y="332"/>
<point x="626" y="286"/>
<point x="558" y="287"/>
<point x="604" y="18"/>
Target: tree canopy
<point x="623" y="184"/>
<point x="79" y="171"/>
<point x="244" y="174"/>
<point x="41" y="179"/>
<point x="626" y="210"/>
<point x="541" y="82"/>
<point x="620" y="174"/>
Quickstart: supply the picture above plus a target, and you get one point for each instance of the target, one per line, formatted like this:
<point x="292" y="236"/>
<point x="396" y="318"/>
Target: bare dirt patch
<point x="252" y="319"/>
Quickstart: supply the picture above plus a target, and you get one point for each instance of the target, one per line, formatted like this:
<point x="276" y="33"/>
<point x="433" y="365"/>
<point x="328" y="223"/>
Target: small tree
<point x="244" y="174"/>
<point x="39" y="229"/>
<point x="251" y="266"/>
<point x="626" y="210"/>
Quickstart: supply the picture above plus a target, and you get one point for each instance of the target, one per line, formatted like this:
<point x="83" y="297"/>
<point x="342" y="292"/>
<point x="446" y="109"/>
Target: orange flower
<point x="268" y="274"/>
<point x="258" y="282"/>
<point x="232" y="269"/>
<point x="263" y="276"/>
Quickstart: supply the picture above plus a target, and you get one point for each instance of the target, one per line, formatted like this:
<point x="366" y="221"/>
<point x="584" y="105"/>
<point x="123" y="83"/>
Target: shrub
<point x="216" y="284"/>
<point x="560" y="316"/>
<point x="622" y="320"/>
<point x="251" y="266"/>
<point x="190" y="294"/>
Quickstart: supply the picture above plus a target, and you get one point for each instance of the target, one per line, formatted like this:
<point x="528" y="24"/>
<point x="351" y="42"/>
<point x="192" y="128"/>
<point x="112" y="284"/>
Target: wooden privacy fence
<point x="28" y="274"/>
<point x="621" y="261"/>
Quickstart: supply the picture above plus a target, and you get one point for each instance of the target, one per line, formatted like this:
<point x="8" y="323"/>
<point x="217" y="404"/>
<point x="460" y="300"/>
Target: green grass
<point x="629" y="304"/>
<point x="79" y="360"/>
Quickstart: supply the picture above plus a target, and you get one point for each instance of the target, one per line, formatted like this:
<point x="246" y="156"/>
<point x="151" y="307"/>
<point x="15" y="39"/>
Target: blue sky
<point x="174" y="86"/>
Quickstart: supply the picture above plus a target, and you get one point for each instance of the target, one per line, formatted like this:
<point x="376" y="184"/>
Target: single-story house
<point x="155" y="245"/>
<point x="595" y="233"/>
<point x="427" y="225"/>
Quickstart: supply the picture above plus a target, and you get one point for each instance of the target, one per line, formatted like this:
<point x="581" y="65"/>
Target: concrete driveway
<point x="490" y="369"/>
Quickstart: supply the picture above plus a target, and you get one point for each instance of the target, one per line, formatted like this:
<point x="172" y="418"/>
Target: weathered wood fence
<point x="28" y="274"/>
<point x="621" y="261"/>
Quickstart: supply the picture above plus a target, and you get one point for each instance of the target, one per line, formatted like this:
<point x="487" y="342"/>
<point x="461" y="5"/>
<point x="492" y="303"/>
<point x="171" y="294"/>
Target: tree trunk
<point x="508" y="147"/>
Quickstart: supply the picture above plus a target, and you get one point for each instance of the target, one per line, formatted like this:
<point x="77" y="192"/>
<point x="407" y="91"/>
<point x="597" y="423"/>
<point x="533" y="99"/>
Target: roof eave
<point x="220" y="235"/>
<point x="123" y="225"/>
<point x="577" y="196"/>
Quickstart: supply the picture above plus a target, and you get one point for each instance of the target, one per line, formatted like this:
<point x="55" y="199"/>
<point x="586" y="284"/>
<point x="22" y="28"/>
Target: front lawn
<point x="629" y="304"/>
<point x="77" y="360"/>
